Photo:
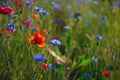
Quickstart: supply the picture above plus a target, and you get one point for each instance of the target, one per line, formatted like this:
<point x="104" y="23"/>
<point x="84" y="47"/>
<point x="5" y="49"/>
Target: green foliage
<point x="82" y="62"/>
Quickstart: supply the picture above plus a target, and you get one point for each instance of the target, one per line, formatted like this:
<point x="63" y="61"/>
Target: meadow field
<point x="59" y="40"/>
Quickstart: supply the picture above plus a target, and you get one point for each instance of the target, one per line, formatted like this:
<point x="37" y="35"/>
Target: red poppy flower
<point x="44" y="32"/>
<point x="38" y="39"/>
<point x="35" y="16"/>
<point x="6" y="10"/>
<point x="16" y="1"/>
<point x="44" y="67"/>
<point x="33" y="1"/>
<point x="7" y="31"/>
<point x="1" y="32"/>
<point x="20" y="4"/>
<point x="10" y="3"/>
<point x="37" y="27"/>
<point x="106" y="73"/>
<point x="28" y="22"/>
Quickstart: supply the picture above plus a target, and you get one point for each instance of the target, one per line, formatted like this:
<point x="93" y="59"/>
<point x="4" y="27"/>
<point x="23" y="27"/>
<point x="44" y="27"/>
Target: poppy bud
<point x="106" y="73"/>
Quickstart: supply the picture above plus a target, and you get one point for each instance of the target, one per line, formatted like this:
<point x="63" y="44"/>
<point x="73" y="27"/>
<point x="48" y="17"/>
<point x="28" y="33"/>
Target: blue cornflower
<point x="13" y="16"/>
<point x="14" y="29"/>
<point x="55" y="42"/>
<point x="104" y="20"/>
<point x="100" y="37"/>
<point x="95" y="2"/>
<point x="50" y="66"/>
<point x="117" y="4"/>
<point x="94" y="59"/>
<point x="69" y="13"/>
<point x="33" y="28"/>
<point x="87" y="21"/>
<point x="29" y="20"/>
<point x="87" y="1"/>
<point x="39" y="58"/>
<point x="4" y="4"/>
<point x="53" y="3"/>
<point x="58" y="20"/>
<point x="44" y="12"/>
<point x="56" y="6"/>
<point x="41" y="10"/>
<point x="87" y="75"/>
<point x="28" y="3"/>
<point x="66" y="27"/>
<point x="37" y="8"/>
<point x="10" y="26"/>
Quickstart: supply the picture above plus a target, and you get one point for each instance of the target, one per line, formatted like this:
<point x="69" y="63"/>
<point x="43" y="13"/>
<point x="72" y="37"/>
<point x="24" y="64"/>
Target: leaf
<point x="74" y="64"/>
<point x="81" y="78"/>
<point x="81" y="62"/>
<point x="82" y="57"/>
<point x="85" y="62"/>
